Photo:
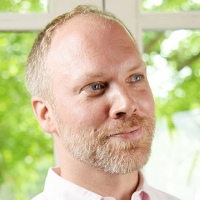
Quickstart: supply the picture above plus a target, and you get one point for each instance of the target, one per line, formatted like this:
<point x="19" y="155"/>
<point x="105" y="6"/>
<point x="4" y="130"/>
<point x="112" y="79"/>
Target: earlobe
<point x="43" y="114"/>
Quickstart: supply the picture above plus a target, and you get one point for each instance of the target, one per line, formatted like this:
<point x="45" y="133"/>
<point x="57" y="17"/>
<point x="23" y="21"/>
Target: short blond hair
<point x="37" y="74"/>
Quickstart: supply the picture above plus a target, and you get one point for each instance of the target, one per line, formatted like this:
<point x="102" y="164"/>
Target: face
<point x="103" y="105"/>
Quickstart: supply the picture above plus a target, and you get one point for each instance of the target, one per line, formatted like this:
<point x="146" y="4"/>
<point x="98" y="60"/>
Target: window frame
<point x="138" y="21"/>
<point x="128" y="11"/>
<point x="17" y="22"/>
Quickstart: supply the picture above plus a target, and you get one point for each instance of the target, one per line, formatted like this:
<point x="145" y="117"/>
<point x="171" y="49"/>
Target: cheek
<point x="92" y="113"/>
<point x="86" y="113"/>
<point x="146" y="103"/>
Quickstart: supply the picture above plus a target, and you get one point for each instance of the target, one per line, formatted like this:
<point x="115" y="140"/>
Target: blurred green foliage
<point x="24" y="6"/>
<point x="183" y="60"/>
<point x="170" y="6"/>
<point x="26" y="152"/>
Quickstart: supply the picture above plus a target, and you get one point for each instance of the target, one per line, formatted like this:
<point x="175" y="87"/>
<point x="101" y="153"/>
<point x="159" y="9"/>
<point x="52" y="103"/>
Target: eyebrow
<point x="89" y="76"/>
<point x="99" y="75"/>
<point x="94" y="75"/>
<point x="137" y="66"/>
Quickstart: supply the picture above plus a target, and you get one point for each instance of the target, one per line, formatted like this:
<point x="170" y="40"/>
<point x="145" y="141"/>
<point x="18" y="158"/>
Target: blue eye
<point x="96" y="86"/>
<point x="137" y="78"/>
<point x="94" y="89"/>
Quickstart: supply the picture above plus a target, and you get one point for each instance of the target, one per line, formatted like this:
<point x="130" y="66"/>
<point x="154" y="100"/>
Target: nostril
<point x="120" y="113"/>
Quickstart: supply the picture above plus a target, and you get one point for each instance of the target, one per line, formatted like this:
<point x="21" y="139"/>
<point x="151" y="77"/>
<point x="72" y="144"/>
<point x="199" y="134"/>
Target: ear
<point x="44" y="115"/>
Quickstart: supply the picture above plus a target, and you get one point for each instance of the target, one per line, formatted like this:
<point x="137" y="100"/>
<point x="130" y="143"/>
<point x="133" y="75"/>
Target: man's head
<point x="101" y="106"/>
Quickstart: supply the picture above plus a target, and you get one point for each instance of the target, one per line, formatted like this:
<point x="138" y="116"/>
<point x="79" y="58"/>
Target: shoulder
<point x="160" y="195"/>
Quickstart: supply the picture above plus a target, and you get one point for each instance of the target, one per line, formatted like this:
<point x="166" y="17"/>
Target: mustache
<point x="124" y="124"/>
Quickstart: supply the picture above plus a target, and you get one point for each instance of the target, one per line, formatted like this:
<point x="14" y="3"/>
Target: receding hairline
<point x="94" y="13"/>
<point x="72" y="25"/>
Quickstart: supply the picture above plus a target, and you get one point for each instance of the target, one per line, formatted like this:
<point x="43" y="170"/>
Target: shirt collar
<point x="142" y="189"/>
<point x="58" y="188"/>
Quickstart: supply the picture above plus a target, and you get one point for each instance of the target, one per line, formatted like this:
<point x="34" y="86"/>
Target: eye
<point x="136" y="78"/>
<point x="94" y="89"/>
<point x="96" y="86"/>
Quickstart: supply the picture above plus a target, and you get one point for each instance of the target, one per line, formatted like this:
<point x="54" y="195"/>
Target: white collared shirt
<point x="57" y="188"/>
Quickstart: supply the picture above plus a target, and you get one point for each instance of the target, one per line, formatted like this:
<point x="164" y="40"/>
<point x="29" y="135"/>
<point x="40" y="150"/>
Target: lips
<point x="132" y="133"/>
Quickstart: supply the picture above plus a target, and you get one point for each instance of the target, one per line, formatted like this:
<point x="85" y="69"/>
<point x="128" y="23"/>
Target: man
<point x="90" y="91"/>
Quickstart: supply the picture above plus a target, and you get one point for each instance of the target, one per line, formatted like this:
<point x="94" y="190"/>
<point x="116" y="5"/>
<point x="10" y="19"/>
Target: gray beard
<point x="94" y="148"/>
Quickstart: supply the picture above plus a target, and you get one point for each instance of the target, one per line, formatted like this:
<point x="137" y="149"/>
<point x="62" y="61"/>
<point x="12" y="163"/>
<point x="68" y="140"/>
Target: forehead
<point x="89" y="39"/>
<point x="86" y="23"/>
<point x="88" y="28"/>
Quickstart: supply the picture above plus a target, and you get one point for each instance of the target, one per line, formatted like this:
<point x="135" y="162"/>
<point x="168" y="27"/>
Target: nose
<point x="122" y="104"/>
